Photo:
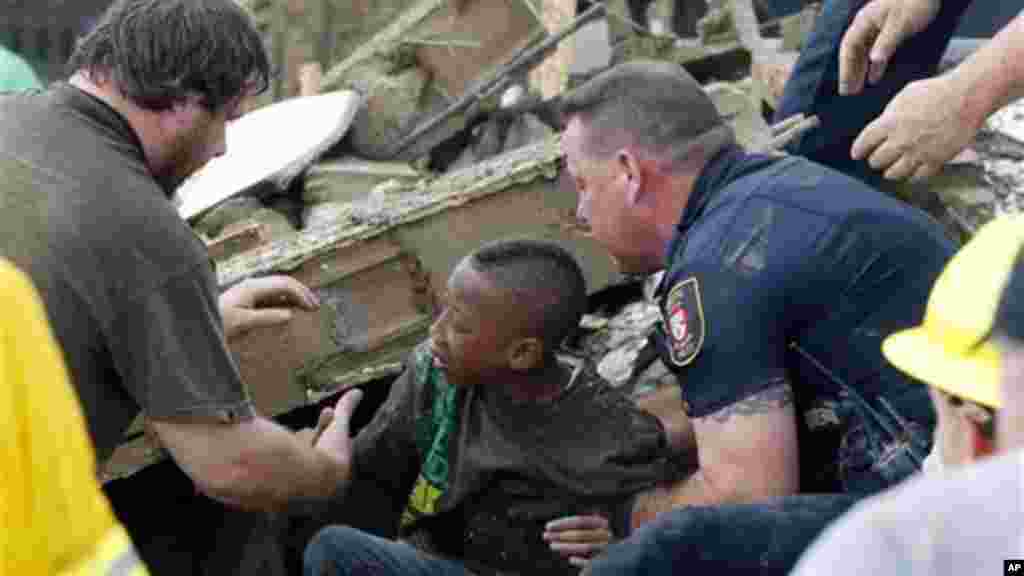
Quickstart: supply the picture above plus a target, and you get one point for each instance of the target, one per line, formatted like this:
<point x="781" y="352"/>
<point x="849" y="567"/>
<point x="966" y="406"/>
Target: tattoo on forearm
<point x="764" y="401"/>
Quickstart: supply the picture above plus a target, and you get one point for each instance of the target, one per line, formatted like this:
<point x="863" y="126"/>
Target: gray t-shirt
<point x="129" y="288"/>
<point x="956" y="523"/>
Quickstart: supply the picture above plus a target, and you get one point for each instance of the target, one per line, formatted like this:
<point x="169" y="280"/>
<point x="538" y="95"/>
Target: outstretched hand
<point x="921" y="129"/>
<point x="875" y="34"/>
<point x="580" y="538"/>
<point x="263" y="302"/>
<point x="335" y="438"/>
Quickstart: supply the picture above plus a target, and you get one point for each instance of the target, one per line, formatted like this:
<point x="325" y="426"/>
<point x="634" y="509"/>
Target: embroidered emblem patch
<point x="683" y="316"/>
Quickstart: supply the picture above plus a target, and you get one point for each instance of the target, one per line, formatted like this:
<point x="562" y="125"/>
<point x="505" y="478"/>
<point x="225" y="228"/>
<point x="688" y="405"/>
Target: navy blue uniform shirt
<point x="785" y="271"/>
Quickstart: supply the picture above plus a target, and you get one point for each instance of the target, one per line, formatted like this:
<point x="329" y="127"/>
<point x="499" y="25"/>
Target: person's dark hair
<point x="158" y="52"/>
<point x="544" y="280"/>
<point x="658" y="106"/>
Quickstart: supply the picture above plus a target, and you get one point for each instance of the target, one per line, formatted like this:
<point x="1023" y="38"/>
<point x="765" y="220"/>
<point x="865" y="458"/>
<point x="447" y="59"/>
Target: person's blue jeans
<point x="813" y="88"/>
<point x="339" y="550"/>
<point x="763" y="539"/>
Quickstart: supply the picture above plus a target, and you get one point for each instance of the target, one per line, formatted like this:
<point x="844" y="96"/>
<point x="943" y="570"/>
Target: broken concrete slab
<point x="351" y="178"/>
<point x="326" y="213"/>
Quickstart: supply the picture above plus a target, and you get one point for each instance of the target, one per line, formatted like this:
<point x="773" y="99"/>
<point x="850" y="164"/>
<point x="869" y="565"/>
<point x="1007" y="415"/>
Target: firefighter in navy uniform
<point x="782" y="279"/>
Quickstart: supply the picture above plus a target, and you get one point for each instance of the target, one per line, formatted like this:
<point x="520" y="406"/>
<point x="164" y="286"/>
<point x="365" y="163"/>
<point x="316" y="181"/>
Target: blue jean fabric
<point x="880" y="447"/>
<point x="342" y="550"/>
<point x="813" y="88"/>
<point x="757" y="539"/>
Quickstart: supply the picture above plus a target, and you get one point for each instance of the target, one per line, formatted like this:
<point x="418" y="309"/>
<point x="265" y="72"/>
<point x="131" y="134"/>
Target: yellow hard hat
<point x="953" y="349"/>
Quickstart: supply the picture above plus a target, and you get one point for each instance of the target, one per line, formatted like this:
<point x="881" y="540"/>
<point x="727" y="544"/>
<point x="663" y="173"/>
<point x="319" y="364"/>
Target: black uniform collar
<point x="723" y="168"/>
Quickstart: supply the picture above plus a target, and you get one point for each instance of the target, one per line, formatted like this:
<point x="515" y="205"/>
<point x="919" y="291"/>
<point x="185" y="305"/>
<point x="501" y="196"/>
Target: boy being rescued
<point x="486" y="438"/>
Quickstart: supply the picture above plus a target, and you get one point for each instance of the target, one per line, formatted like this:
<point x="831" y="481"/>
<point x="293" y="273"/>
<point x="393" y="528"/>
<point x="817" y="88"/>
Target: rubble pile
<point x="448" y="149"/>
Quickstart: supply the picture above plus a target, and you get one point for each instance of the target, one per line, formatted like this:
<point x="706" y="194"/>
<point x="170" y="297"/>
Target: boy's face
<point x="476" y="332"/>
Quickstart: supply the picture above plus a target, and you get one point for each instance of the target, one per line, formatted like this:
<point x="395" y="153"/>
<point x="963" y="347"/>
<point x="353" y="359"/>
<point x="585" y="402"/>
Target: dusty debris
<point x="351" y="178"/>
<point x="378" y="239"/>
<point x="454" y="50"/>
<point x="617" y="346"/>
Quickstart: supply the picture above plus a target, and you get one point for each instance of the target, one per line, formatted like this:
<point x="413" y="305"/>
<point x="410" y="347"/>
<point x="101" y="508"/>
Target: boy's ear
<point x="526" y="354"/>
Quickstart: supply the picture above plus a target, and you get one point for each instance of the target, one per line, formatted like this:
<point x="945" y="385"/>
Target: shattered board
<point x="274" y="143"/>
<point x="394" y="204"/>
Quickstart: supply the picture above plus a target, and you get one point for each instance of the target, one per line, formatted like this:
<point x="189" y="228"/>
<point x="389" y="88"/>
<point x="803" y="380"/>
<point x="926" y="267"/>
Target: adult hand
<point x="261" y="302"/>
<point x="336" y="437"/>
<point x="580" y="538"/>
<point x="875" y="33"/>
<point x="921" y="129"/>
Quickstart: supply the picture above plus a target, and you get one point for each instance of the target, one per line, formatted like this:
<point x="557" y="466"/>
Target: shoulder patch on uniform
<point x="683" y="316"/>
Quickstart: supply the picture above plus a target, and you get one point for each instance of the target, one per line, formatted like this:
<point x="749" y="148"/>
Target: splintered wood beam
<point x="747" y="27"/>
<point x="552" y="76"/>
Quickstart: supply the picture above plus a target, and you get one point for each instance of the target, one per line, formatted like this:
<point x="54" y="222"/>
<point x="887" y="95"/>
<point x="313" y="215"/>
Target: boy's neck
<point x="541" y="385"/>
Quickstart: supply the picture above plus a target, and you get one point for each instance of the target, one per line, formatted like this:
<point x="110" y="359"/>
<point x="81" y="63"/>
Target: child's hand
<point x="580" y="538"/>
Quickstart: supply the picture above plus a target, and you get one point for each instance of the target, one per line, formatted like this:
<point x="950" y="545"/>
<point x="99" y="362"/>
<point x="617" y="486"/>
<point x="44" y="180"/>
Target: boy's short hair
<point x="543" y="278"/>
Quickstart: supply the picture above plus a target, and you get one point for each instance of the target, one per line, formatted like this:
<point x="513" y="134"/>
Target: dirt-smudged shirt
<point x="469" y="475"/>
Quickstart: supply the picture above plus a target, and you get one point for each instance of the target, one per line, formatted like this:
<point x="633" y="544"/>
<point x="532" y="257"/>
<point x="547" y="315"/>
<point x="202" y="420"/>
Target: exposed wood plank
<point x="552" y="76"/>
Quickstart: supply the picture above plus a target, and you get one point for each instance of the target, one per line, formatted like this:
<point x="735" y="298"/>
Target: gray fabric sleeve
<point x="170" y="351"/>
